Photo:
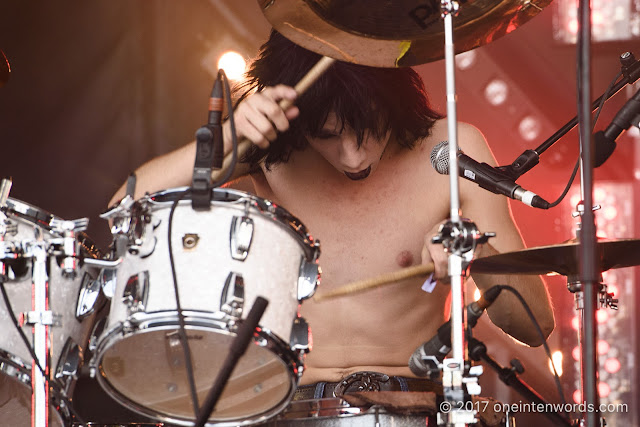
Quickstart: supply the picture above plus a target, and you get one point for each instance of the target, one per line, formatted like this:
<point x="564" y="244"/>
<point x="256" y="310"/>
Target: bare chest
<point x="366" y="227"/>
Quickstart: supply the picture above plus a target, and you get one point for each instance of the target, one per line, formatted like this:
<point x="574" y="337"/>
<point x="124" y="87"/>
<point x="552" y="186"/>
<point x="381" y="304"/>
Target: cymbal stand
<point x="459" y="238"/>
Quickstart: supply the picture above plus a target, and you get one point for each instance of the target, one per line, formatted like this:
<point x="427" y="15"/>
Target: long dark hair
<point x="363" y="98"/>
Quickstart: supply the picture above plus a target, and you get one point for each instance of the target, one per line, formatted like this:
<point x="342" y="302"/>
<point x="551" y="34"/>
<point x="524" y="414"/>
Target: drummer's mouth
<point x="357" y="176"/>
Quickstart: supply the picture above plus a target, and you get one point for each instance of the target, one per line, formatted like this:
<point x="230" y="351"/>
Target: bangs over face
<point x="366" y="99"/>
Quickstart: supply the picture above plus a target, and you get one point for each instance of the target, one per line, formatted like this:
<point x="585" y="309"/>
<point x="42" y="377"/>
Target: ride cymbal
<point x="396" y="33"/>
<point x="560" y="259"/>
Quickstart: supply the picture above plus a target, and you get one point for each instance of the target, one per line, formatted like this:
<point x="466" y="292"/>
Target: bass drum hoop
<point x="141" y="323"/>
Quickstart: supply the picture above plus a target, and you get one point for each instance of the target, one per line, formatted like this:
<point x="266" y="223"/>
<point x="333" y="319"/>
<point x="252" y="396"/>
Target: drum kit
<point x="55" y="283"/>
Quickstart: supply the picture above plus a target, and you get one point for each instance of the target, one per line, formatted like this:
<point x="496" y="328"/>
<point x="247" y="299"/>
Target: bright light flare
<point x="233" y="65"/>
<point x="556" y="360"/>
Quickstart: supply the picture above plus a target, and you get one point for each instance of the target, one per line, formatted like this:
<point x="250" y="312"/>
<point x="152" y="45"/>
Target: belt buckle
<point x="360" y="381"/>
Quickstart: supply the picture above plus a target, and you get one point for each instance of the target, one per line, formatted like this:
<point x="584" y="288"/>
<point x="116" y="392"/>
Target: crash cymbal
<point x="5" y="69"/>
<point x="394" y="33"/>
<point x="559" y="259"/>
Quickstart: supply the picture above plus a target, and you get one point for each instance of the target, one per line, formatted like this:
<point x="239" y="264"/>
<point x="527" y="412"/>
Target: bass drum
<point x="241" y="248"/>
<point x="74" y="298"/>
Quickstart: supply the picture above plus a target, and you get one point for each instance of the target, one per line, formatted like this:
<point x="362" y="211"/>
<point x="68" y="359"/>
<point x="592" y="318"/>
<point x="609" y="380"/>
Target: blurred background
<point x="98" y="88"/>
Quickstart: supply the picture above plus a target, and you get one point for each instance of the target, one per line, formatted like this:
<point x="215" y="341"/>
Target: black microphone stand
<point x="478" y="351"/>
<point x="238" y="348"/>
<point x="528" y="159"/>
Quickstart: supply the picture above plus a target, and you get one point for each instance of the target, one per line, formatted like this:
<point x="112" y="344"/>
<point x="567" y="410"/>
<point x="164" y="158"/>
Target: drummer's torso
<point x="366" y="228"/>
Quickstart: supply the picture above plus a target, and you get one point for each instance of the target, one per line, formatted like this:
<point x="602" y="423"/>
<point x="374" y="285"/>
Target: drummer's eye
<point x="323" y="134"/>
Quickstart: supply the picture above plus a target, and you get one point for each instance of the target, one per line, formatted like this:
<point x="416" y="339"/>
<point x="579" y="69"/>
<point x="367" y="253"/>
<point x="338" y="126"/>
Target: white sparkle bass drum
<point x="241" y="248"/>
<point x="73" y="299"/>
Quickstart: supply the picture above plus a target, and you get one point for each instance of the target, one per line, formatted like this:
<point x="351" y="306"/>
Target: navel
<point x="404" y="259"/>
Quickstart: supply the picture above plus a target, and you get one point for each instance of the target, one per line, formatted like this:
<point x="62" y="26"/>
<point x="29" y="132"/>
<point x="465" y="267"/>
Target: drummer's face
<point x="340" y="148"/>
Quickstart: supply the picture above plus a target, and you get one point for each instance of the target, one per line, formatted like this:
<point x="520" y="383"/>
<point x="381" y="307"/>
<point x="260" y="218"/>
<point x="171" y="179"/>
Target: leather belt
<point x="364" y="381"/>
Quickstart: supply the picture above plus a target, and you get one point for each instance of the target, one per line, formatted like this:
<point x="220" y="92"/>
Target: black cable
<point x="234" y="138"/>
<point x="182" y="329"/>
<point x="539" y="330"/>
<point x="604" y="97"/>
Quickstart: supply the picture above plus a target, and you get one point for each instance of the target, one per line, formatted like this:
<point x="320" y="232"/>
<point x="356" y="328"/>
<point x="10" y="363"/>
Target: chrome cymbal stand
<point x="459" y="238"/>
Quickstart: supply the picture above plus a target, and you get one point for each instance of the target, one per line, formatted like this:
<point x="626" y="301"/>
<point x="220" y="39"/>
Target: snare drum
<point x="243" y="247"/>
<point x="73" y="299"/>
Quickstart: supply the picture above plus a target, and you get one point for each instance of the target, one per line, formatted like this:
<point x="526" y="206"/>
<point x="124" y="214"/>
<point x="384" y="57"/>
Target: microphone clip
<point x="201" y="182"/>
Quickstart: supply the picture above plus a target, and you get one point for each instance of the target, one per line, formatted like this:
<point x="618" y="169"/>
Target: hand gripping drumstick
<point x="384" y="279"/>
<point x="316" y="71"/>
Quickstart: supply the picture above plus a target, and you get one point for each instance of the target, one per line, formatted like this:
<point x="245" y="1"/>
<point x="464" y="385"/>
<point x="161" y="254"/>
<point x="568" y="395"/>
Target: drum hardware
<point x="68" y="243"/>
<point x="190" y="240"/>
<point x="31" y="241"/>
<point x="509" y="376"/>
<point x="241" y="236"/>
<point x="309" y="279"/>
<point x="88" y="297"/>
<point x="232" y="299"/>
<point x="300" y="336"/>
<point x="69" y="365"/>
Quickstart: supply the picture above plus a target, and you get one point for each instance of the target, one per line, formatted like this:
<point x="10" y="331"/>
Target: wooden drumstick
<point x="384" y="279"/>
<point x="243" y="146"/>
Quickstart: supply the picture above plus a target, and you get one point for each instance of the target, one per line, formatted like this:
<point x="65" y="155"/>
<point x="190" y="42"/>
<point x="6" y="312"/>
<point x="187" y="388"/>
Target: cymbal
<point x="5" y="69"/>
<point x="559" y="259"/>
<point x="394" y="33"/>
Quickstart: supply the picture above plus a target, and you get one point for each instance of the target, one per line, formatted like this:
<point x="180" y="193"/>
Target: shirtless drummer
<point x="351" y="160"/>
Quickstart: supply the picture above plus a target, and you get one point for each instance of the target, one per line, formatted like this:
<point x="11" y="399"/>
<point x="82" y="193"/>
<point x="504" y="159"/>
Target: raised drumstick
<point x="316" y="71"/>
<point x="384" y="279"/>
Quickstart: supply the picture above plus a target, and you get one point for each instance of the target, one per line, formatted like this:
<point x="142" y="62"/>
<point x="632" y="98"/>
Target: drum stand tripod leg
<point x="238" y="348"/>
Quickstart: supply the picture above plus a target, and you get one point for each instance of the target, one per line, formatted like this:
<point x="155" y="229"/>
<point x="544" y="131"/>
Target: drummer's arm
<point x="491" y="212"/>
<point x="258" y="119"/>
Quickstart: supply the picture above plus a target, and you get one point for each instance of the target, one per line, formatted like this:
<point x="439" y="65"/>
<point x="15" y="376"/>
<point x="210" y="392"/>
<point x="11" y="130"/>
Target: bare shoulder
<point x="470" y="140"/>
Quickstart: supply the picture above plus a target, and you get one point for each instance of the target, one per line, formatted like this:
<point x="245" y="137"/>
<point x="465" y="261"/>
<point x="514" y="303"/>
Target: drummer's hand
<point x="259" y="118"/>
<point x="434" y="253"/>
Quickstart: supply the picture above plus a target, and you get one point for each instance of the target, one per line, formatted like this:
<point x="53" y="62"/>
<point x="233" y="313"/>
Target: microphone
<point x="424" y="360"/>
<point x="215" y="123"/>
<point x="485" y="176"/>
<point x="605" y="141"/>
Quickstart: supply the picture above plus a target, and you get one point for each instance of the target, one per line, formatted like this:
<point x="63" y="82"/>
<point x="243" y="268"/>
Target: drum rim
<point x="265" y="206"/>
<point x="22" y="370"/>
<point x="145" y="322"/>
<point x="22" y="376"/>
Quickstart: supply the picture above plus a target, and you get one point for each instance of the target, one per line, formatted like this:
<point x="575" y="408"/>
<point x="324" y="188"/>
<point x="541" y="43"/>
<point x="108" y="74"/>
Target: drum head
<point x="15" y="404"/>
<point x="147" y="368"/>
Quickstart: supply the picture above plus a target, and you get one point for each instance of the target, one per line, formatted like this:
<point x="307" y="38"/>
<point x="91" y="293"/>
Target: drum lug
<point x="88" y="298"/>
<point x="308" y="279"/>
<point x="136" y="292"/>
<point x="300" y="335"/>
<point x="232" y="299"/>
<point x="108" y="281"/>
<point x="69" y="363"/>
<point x="241" y="237"/>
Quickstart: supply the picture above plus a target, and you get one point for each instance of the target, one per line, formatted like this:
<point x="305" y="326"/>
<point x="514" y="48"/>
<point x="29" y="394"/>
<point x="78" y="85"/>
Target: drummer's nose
<point x="353" y="158"/>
